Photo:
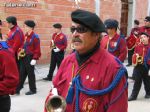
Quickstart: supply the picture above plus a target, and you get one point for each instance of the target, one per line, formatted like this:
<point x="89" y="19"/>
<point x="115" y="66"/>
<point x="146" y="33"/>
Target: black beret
<point x="88" y="19"/>
<point x="147" y="18"/>
<point x="136" y="22"/>
<point x="144" y="33"/>
<point x="30" y="23"/>
<point x="12" y="19"/>
<point x="111" y="23"/>
<point x="57" y="25"/>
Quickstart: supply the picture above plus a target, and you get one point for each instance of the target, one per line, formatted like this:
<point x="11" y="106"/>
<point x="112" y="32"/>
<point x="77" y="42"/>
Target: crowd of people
<point x="139" y="52"/>
<point x="19" y="53"/>
<point x="92" y="77"/>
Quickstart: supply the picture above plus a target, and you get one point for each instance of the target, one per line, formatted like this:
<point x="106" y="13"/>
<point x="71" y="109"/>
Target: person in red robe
<point x="9" y="76"/>
<point x="90" y="79"/>
<point x="141" y="60"/>
<point x="146" y="29"/>
<point x="58" y="45"/>
<point x="131" y="41"/>
<point x="32" y="51"/>
<point x="15" y="35"/>
<point x="113" y="42"/>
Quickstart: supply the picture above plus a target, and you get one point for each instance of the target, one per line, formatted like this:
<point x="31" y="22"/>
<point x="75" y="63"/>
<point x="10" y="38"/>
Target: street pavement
<point x="35" y="103"/>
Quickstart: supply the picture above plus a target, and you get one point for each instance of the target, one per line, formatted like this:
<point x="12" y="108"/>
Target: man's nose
<point x="75" y="33"/>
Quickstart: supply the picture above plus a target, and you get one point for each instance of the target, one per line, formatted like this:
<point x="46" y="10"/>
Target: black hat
<point x="144" y="33"/>
<point x="136" y="22"/>
<point x="88" y="19"/>
<point x="111" y="23"/>
<point x="57" y="25"/>
<point x="12" y="19"/>
<point x="30" y="23"/>
<point x="147" y="18"/>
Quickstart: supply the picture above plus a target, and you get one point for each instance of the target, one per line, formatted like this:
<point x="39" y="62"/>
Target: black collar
<point x="81" y="58"/>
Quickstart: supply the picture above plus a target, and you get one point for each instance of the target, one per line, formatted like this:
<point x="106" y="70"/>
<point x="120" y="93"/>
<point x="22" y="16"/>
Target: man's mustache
<point x="76" y="39"/>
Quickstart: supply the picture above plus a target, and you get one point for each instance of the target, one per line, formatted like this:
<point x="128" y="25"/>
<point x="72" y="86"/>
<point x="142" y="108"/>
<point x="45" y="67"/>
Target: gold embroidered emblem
<point x="90" y="105"/>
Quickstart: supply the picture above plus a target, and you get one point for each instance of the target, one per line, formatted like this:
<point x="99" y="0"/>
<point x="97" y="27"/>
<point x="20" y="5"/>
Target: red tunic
<point x="121" y="50"/>
<point x="133" y="39"/>
<point x="32" y="46"/>
<point x="142" y="50"/>
<point x="60" y="41"/>
<point x="93" y="76"/>
<point x="9" y="76"/>
<point x="144" y="29"/>
<point x="15" y="38"/>
<point x="135" y="31"/>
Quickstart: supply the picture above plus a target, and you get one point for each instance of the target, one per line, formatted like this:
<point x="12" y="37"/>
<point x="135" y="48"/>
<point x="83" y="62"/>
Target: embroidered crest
<point x="89" y="105"/>
<point x="61" y="37"/>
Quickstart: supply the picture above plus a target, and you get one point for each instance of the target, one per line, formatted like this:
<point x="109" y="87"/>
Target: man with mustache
<point x="90" y="79"/>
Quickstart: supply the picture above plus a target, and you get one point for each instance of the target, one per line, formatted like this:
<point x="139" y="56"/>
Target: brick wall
<point x="47" y="12"/>
<point x="110" y="9"/>
<point x="141" y="10"/>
